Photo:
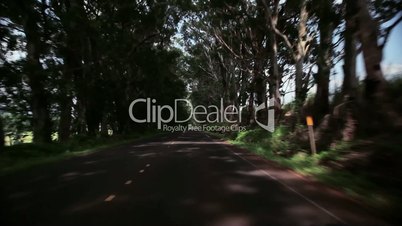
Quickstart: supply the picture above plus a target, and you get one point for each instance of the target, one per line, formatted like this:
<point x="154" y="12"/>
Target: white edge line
<point x="290" y="188"/>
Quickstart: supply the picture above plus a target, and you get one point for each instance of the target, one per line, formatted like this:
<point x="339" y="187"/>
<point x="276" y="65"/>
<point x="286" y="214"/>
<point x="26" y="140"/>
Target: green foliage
<point x="395" y="93"/>
<point x="128" y="53"/>
<point x="254" y="135"/>
<point x="280" y="142"/>
<point x="30" y="150"/>
<point x="289" y="106"/>
<point x="277" y="142"/>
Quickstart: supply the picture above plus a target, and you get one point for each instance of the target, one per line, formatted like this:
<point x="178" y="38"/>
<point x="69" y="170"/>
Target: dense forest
<point x="80" y="63"/>
<point x="72" y="67"/>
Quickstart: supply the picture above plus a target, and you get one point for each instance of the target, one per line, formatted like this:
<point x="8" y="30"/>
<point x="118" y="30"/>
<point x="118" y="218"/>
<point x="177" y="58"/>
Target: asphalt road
<point x="178" y="179"/>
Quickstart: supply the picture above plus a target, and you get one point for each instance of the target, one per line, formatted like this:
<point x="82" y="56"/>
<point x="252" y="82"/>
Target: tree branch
<point x="224" y="44"/>
<point x="388" y="31"/>
<point x="269" y="13"/>
<point x="141" y="43"/>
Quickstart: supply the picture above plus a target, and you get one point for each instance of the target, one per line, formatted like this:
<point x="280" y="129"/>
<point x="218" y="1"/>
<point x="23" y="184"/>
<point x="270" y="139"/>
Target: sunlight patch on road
<point x="18" y="195"/>
<point x="261" y="171"/>
<point x="71" y="174"/>
<point x="149" y="144"/>
<point x="241" y="188"/>
<point x="109" y="198"/>
<point x="197" y="142"/>
<point x="90" y="162"/>
<point x="256" y="173"/>
<point x="233" y="220"/>
<point x="183" y="151"/>
<point x="94" y="172"/>
<point x="176" y="142"/>
<point x="139" y="154"/>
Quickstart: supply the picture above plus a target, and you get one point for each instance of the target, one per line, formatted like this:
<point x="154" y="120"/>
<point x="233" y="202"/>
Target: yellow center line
<point x="110" y="198"/>
<point x="128" y="182"/>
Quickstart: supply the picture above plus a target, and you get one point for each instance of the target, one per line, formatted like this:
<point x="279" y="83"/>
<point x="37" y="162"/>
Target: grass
<point x="276" y="147"/>
<point x="23" y="156"/>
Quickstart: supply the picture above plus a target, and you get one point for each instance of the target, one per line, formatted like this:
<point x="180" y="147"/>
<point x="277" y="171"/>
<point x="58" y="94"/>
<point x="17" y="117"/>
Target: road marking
<point x="290" y="188"/>
<point x="148" y="165"/>
<point x="128" y="182"/>
<point x="110" y="198"/>
<point x="141" y="171"/>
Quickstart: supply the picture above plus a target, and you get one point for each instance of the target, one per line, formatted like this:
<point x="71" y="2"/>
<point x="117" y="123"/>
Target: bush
<point x="280" y="142"/>
<point x="253" y="136"/>
<point x="32" y="150"/>
<point x="395" y="93"/>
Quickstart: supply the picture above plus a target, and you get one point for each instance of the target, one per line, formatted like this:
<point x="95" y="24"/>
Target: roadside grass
<point x="25" y="155"/>
<point x="358" y="185"/>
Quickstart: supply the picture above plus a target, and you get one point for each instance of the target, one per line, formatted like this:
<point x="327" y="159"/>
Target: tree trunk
<point x="2" y="136"/>
<point x="39" y="102"/>
<point x="82" y="57"/>
<point x="368" y="34"/>
<point x="94" y="98"/>
<point x="299" y="82"/>
<point x="350" y="83"/>
<point x="375" y="83"/>
<point x="71" y="14"/>
<point x="104" y="126"/>
<point x="72" y="67"/>
<point x="223" y="73"/>
<point x="326" y="27"/>
<point x="275" y="78"/>
<point x="251" y="119"/>
<point x="299" y="56"/>
<point x="260" y="90"/>
<point x="64" y="129"/>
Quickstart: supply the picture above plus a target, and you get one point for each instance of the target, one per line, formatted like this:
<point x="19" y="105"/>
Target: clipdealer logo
<point x="163" y="114"/>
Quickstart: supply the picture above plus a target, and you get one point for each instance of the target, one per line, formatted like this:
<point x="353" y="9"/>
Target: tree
<point x="368" y="35"/>
<point x="275" y="79"/>
<point x="298" y="52"/>
<point x="81" y="63"/>
<point x="2" y="137"/>
<point x="350" y="83"/>
<point x="326" y="26"/>
<point x="39" y="99"/>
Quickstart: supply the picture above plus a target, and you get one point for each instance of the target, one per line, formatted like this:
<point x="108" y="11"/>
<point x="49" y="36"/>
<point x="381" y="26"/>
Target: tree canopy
<point x="72" y="67"/>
